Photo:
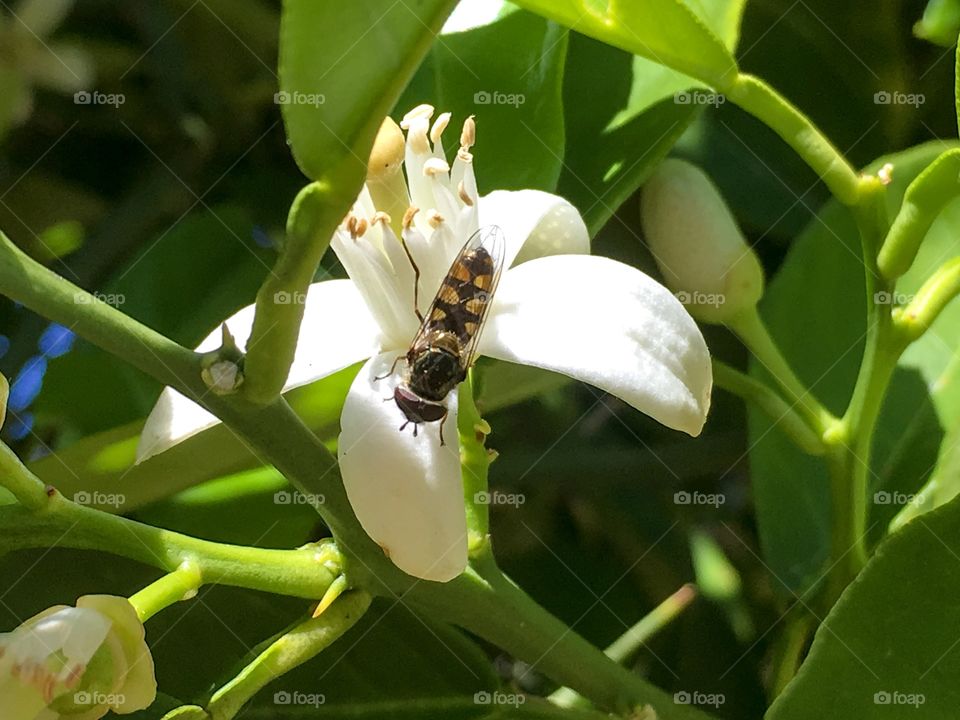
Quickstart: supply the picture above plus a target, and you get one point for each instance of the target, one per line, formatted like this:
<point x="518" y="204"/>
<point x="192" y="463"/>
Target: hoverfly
<point x="446" y="344"/>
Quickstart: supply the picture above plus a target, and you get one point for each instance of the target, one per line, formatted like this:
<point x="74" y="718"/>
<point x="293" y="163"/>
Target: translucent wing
<point x="462" y="303"/>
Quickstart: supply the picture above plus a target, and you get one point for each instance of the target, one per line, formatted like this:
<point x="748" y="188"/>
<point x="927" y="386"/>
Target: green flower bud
<point x="77" y="662"/>
<point x="940" y="22"/>
<point x="698" y="245"/>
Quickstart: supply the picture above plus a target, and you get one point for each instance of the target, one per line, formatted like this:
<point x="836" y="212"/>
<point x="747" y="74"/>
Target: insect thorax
<point x="435" y="368"/>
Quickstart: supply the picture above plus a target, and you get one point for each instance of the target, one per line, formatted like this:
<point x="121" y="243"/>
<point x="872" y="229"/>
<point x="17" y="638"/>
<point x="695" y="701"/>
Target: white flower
<point x="591" y="318"/>
<point x="77" y="662"/>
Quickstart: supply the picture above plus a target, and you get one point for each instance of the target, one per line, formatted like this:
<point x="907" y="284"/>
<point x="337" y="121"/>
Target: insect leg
<point x="390" y="371"/>
<point x="442" y="421"/>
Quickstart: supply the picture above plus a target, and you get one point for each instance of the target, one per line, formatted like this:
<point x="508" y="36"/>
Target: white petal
<point x="337" y="331"/>
<point x="406" y="491"/>
<point x="608" y="324"/>
<point x="536" y="224"/>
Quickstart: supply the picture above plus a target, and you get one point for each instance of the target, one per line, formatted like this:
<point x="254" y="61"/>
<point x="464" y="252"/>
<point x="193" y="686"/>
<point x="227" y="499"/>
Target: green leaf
<point x="509" y="74"/>
<point x="615" y="143"/>
<point x="943" y="486"/>
<point x="665" y="31"/>
<point x="791" y="490"/>
<point x="103" y="463"/>
<point x="342" y="68"/>
<point x="182" y="284"/>
<point x="884" y="651"/>
<point x="773" y="192"/>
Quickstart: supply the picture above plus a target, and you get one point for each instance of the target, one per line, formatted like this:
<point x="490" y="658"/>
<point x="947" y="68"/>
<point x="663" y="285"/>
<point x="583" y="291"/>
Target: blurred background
<point x="143" y="157"/>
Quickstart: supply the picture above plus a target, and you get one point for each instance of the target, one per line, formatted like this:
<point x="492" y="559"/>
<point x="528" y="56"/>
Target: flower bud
<point x="385" y="181"/>
<point x="83" y="660"/>
<point x="4" y="395"/>
<point x="698" y="245"/>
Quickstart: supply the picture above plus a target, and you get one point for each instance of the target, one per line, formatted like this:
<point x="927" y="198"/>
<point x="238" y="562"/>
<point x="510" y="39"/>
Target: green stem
<point x="26" y="281"/>
<point x="789" y="650"/>
<point x="181" y="584"/>
<point x="306" y="572"/>
<point x="783" y="415"/>
<point x="25" y="486"/>
<point x="925" y="199"/>
<point x="623" y="649"/>
<point x="751" y="329"/>
<point x="501" y="613"/>
<point x="313" y="218"/>
<point x="852" y="438"/>
<point x="287" y="652"/>
<point x="937" y="292"/>
<point x="475" y="465"/>
<point x="763" y="102"/>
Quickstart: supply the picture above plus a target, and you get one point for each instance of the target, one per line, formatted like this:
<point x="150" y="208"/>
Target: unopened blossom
<point x="30" y="58"/>
<point x="556" y="308"/>
<point x="698" y="244"/>
<point x="76" y="662"/>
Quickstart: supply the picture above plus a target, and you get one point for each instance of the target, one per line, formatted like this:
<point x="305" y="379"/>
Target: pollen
<point x="435" y="166"/>
<point x="351" y="224"/>
<point x="468" y="136"/>
<point x="362" y="226"/>
<point x="439" y="125"/>
<point x="464" y="195"/>
<point x="435" y="219"/>
<point x="381" y="217"/>
<point x="408" y="217"/>
<point x="424" y="111"/>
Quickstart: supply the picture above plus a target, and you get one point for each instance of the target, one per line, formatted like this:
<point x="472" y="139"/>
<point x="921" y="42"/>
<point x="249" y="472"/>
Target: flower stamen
<point x="464" y="195"/>
<point x="434" y="218"/>
<point x="435" y="166"/>
<point x="408" y="217"/>
<point x="423" y="111"/>
<point x="439" y="125"/>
